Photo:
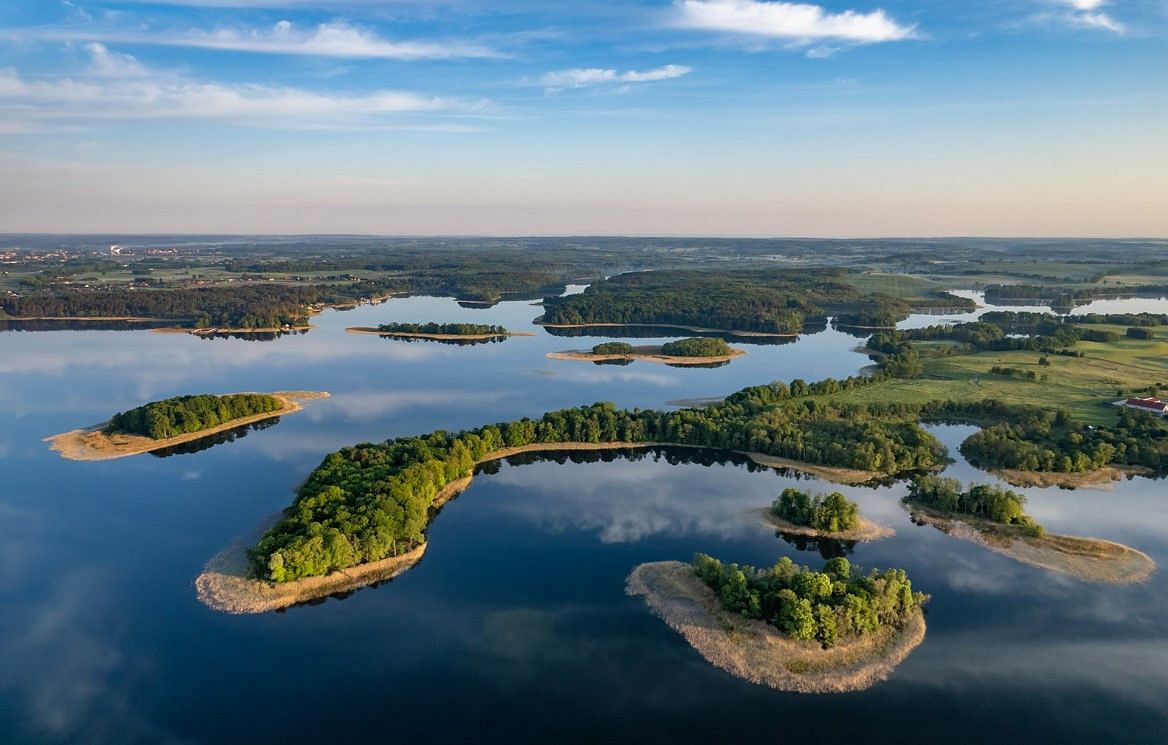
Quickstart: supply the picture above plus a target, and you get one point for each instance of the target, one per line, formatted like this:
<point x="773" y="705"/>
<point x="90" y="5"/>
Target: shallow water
<point x="515" y="624"/>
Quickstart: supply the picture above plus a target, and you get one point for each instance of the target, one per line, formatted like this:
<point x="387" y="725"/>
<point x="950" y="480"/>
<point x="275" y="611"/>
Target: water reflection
<point x="828" y="548"/>
<point x="210" y="441"/>
<point x="654" y="332"/>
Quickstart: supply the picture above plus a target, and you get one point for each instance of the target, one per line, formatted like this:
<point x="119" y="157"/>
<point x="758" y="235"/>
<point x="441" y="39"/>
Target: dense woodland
<point x="451" y="329"/>
<point x="246" y="306"/>
<point x="773" y="301"/>
<point x="370" y="501"/>
<point x="188" y="414"/>
<point x="697" y="347"/>
<point x="985" y="501"/>
<point x="831" y="513"/>
<point x="827" y="606"/>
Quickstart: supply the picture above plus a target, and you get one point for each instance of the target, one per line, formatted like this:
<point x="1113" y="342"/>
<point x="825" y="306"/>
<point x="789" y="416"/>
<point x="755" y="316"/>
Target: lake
<point x="515" y="625"/>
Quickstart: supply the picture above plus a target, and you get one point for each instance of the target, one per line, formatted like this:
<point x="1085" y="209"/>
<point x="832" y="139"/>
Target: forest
<point x="370" y="501"/>
<point x="183" y="415"/>
<point x="831" y="513"/>
<point x="451" y="329"/>
<point x="827" y="606"/>
<point x="765" y="300"/>
<point x="986" y="501"/>
<point x="697" y="347"/>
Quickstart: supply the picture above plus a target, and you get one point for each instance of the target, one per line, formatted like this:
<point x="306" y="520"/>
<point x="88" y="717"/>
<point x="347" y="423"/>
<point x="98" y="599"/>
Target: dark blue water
<point x="515" y="625"/>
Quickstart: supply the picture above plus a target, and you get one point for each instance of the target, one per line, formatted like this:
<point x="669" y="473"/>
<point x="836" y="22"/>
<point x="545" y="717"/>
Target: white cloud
<point x="336" y="39"/>
<point x="580" y="77"/>
<point x="118" y="87"/>
<point x="800" y="23"/>
<point x="1084" y="14"/>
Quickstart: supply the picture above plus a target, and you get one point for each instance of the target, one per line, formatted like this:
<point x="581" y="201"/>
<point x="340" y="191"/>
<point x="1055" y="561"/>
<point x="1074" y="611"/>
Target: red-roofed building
<point x="1153" y="405"/>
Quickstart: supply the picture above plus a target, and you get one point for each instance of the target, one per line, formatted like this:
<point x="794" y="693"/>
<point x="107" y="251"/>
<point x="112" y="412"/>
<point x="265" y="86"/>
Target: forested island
<point x="778" y="302"/>
<point x="164" y="424"/>
<point x="440" y="331"/>
<point x="788" y="627"/>
<point x="995" y="518"/>
<point x="683" y="352"/>
<point x="832" y="516"/>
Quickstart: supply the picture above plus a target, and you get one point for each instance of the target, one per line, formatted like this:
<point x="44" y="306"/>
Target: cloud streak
<point x="335" y="39"/>
<point x="581" y="77"/>
<point x="1089" y="14"/>
<point x="799" y="23"/>
<point x="118" y="87"/>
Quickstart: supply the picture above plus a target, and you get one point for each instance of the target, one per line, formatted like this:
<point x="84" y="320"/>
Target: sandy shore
<point x="648" y="353"/>
<point x="226" y="584"/>
<point x="759" y="652"/>
<point x="697" y="329"/>
<point x="436" y="337"/>
<point x="94" y="444"/>
<point x="1087" y="559"/>
<point x="867" y="530"/>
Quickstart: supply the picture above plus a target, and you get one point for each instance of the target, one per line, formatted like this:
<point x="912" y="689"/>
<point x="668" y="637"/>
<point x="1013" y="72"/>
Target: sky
<point x="586" y="117"/>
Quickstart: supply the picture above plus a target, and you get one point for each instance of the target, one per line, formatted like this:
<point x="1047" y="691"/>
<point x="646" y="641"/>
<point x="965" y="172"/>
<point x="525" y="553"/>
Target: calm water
<point x="515" y="625"/>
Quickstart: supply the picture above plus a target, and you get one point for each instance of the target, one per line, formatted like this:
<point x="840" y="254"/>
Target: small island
<point x="695" y="351"/>
<point x="993" y="517"/>
<point x="439" y="331"/>
<point x="830" y="516"/>
<point x="788" y="627"/>
<point x="173" y="421"/>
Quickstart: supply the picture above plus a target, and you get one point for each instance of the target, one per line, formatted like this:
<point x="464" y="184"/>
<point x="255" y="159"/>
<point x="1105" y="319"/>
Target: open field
<point x="1085" y="386"/>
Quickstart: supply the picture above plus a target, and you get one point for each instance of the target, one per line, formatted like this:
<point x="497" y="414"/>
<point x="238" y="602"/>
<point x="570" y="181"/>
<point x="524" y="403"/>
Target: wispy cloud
<point x="1089" y="14"/>
<point x="580" y="77"/>
<point x="798" y="23"/>
<point x="118" y="87"/>
<point x="334" y="39"/>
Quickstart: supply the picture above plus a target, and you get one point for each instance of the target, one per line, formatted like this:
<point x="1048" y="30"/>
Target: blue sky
<point x="719" y="117"/>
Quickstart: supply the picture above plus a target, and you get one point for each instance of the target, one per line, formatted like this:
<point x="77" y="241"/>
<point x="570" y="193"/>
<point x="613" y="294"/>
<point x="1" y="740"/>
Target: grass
<point x="897" y="285"/>
<point x="1085" y="386"/>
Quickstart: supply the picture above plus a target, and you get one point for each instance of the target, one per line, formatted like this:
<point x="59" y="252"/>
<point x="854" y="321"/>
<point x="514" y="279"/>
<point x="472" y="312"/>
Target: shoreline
<point x="649" y="353"/>
<point x="1102" y="478"/>
<point x="436" y="337"/>
<point x="867" y="530"/>
<point x="697" y="329"/>
<point x="758" y="652"/>
<point x="1086" y="559"/>
<point x="236" y="592"/>
<point x="210" y="331"/>
<point x="91" y="444"/>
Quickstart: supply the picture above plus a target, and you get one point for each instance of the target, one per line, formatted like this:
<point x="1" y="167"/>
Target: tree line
<point x="184" y="415"/>
<point x="452" y="329"/>
<point x="827" y="606"/>
<point x="370" y="501"/>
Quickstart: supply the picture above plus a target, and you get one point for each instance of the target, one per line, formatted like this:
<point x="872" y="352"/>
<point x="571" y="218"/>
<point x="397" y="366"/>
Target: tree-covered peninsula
<point x="370" y="501"/>
<point x="184" y="415"/>
<point x="159" y="425"/>
<point x="788" y="627"/>
<point x="769" y="301"/>
<point x="444" y="329"/>
<point x="994" y="518"/>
